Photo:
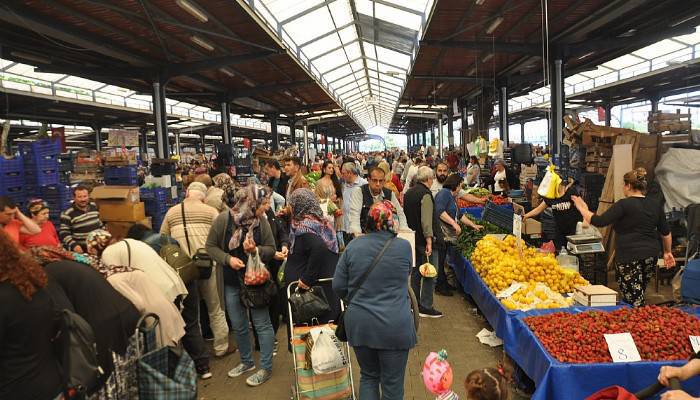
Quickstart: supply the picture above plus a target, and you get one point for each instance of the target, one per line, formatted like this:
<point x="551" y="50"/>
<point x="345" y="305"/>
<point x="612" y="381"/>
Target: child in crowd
<point x="487" y="384"/>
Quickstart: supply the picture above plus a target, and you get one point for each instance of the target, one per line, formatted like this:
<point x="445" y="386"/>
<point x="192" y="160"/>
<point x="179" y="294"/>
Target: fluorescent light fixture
<point x="288" y="93"/>
<point x="586" y="55"/>
<point x="202" y="43"/>
<point x="56" y="110"/>
<point x="193" y="10"/>
<point x="471" y="72"/>
<point x="87" y="114"/>
<point x="227" y="71"/>
<point x="249" y="83"/>
<point x="297" y="99"/>
<point x="494" y="24"/>
<point x="480" y="2"/>
<point x="487" y="57"/>
<point x="31" y="57"/>
<point x="636" y="90"/>
<point x="440" y="85"/>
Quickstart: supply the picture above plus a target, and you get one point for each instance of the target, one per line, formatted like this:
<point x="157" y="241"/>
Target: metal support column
<point x="608" y="113"/>
<point x="306" y="143"/>
<point x="522" y="132"/>
<point x="292" y="131"/>
<point x="203" y="143"/>
<point x="557" y="101"/>
<point x="424" y="141"/>
<point x="441" y="145"/>
<point x="143" y="141"/>
<point x="316" y="139"/>
<point x="654" y="104"/>
<point x="450" y="126"/>
<point x="441" y="133"/>
<point x="273" y="132"/>
<point x="161" y="119"/>
<point x="465" y="128"/>
<point x="98" y="137"/>
<point x="177" y="143"/>
<point x="503" y="115"/>
<point x="432" y="134"/>
<point x="226" y="121"/>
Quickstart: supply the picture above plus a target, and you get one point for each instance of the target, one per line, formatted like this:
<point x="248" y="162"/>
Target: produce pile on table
<point x="660" y="333"/>
<point x="467" y="240"/>
<point x="483" y="194"/>
<point x="536" y="295"/>
<point x="312" y="178"/>
<point x="499" y="264"/>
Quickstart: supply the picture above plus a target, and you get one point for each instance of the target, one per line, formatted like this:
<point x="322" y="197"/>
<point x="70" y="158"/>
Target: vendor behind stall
<point x="566" y="216"/>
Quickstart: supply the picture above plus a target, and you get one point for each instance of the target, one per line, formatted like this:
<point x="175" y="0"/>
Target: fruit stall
<point x="559" y="344"/>
<point x="476" y="209"/>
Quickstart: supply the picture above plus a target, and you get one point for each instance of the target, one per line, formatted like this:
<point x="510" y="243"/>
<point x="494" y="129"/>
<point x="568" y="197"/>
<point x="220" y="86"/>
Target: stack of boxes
<point x="42" y="176"/>
<point x="157" y="201"/>
<point x="599" y="152"/>
<point x="65" y="167"/>
<point x="12" y="179"/>
<point x="121" y="175"/>
<point x="120" y="208"/>
<point x="87" y="169"/>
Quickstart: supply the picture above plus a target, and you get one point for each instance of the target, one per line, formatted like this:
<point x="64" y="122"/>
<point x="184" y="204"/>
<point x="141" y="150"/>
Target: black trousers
<point x="193" y="340"/>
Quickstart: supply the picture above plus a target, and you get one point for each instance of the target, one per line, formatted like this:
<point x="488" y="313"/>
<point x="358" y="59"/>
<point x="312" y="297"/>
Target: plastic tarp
<point x="678" y="173"/>
<point x="553" y="379"/>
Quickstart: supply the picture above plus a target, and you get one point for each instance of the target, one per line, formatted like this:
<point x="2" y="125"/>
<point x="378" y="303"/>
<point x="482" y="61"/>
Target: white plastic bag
<point x="327" y="354"/>
<point x="255" y="271"/>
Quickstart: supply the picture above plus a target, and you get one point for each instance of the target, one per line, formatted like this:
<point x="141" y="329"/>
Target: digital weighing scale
<point x="584" y="244"/>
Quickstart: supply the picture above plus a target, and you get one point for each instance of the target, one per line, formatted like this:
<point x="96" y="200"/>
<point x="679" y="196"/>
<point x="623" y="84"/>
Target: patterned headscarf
<point x="224" y="182"/>
<point x="45" y="255"/>
<point x="307" y="217"/>
<point x="97" y="241"/>
<point x="248" y="199"/>
<point x="382" y="217"/>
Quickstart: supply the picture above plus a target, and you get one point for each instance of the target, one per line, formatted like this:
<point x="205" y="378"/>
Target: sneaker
<point x="429" y="313"/>
<point x="444" y="291"/>
<point x="274" y="349"/>
<point x="240" y="370"/>
<point x="258" y="378"/>
<point x="204" y="373"/>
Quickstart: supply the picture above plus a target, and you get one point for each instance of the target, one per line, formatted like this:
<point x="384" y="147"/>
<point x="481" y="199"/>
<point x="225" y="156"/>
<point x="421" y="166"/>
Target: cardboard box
<point x="122" y="212"/>
<point x="120" y="229"/>
<point x="108" y="194"/>
<point x="532" y="227"/>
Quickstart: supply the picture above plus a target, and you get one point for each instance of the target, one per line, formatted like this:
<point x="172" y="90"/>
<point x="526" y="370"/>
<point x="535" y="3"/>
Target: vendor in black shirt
<point x="638" y="222"/>
<point x="566" y="216"/>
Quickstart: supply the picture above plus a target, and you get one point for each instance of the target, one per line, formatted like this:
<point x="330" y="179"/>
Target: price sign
<point x="695" y="342"/>
<point x="509" y="291"/>
<point x="517" y="226"/>
<point x="622" y="347"/>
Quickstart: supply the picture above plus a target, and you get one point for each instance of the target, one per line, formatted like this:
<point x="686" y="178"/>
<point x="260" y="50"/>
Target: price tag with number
<point x="622" y="347"/>
<point x="695" y="342"/>
<point x="517" y="225"/>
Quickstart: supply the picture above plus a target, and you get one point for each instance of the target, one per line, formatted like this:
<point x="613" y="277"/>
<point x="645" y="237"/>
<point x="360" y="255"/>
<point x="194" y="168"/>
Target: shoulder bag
<point x="200" y="258"/>
<point x="340" y="332"/>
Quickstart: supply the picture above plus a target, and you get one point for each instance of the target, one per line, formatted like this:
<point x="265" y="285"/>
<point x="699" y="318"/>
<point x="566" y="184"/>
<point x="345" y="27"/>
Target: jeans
<point x="238" y="314"/>
<point x="383" y="369"/>
<point x="209" y="290"/>
<point x="441" y="282"/>
<point x="423" y="287"/>
<point x="193" y="340"/>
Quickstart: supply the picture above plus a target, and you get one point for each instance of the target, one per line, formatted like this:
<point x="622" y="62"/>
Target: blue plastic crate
<point x="121" y="181"/>
<point x="11" y="180"/>
<point x="41" y="162"/>
<point x="46" y="147"/>
<point x="54" y="191"/>
<point x="41" y="177"/>
<point x="120" y="172"/>
<point x="12" y="165"/>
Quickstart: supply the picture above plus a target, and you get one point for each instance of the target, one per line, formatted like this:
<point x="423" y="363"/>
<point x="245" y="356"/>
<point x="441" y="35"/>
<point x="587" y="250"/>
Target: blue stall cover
<point x="553" y="379"/>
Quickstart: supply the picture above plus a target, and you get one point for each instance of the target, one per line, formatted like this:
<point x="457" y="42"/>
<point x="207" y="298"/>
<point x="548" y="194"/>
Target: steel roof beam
<point x="254" y="91"/>
<point x="497" y="47"/>
<point x="456" y="78"/>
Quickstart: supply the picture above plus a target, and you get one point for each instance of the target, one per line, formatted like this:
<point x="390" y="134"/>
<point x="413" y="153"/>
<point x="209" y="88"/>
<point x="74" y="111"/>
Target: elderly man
<point x="198" y="218"/>
<point x="352" y="181"/>
<point x="370" y="193"/>
<point x="422" y="218"/>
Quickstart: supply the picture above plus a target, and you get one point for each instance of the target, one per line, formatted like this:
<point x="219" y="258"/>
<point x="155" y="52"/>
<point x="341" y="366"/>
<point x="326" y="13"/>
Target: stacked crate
<point x="12" y="179"/>
<point x="87" y="169"/>
<point x="65" y="167"/>
<point x="41" y="164"/>
<point x="157" y="201"/>
<point x="598" y="155"/>
<point x="121" y="175"/>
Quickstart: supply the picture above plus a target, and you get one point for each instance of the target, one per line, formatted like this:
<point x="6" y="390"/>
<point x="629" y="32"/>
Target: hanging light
<point x="494" y="25"/>
<point x="480" y="2"/>
<point x="487" y="57"/>
<point x="227" y="71"/>
<point x="193" y="10"/>
<point x="202" y="43"/>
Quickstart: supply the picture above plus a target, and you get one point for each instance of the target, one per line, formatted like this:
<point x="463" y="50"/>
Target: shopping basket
<point x="308" y="385"/>
<point x="620" y="393"/>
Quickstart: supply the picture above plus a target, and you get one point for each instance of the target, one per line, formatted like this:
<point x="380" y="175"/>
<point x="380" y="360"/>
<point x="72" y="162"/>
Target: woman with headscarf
<point x="314" y="248"/>
<point x="378" y="319"/>
<point x="39" y="213"/>
<point x="224" y="182"/>
<point x="136" y="286"/>
<point x="235" y="235"/>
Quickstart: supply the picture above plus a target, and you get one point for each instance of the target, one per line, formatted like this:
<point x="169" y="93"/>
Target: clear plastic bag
<point x="255" y="271"/>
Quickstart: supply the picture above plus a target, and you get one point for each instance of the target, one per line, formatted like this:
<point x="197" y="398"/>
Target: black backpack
<point x="76" y="352"/>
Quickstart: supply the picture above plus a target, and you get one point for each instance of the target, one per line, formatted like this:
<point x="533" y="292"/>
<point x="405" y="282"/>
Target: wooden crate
<point x="668" y="122"/>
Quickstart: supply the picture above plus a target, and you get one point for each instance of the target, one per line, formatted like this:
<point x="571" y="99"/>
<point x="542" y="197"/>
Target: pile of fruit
<point x="536" y="295"/>
<point x="312" y="178"/>
<point x="498" y="200"/>
<point x="659" y="333"/>
<point x="499" y="264"/>
<point x="467" y="240"/>
<point x="478" y="192"/>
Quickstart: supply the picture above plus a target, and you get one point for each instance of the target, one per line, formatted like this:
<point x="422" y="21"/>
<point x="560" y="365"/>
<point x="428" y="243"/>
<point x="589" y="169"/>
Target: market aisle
<point x="455" y="332"/>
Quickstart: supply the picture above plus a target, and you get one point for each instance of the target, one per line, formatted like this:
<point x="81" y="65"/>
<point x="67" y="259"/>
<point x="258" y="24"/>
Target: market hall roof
<point x="473" y="44"/>
<point x="208" y="50"/>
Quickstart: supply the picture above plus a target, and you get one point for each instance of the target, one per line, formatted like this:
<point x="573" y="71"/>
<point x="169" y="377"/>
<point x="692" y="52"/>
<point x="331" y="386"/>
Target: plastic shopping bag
<point x="427" y="270"/>
<point x="255" y="271"/>
<point x="327" y="354"/>
<point x="549" y="188"/>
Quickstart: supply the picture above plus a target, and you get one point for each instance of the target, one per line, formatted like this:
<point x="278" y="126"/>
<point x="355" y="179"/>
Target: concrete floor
<point x="455" y="332"/>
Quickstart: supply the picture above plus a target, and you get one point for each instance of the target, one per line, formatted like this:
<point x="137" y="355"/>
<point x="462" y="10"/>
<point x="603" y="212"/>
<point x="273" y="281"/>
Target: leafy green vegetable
<point x="466" y="242"/>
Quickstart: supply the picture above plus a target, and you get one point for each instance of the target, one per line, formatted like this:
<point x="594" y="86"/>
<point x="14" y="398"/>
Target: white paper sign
<point x="517" y="226"/>
<point x="622" y="347"/>
<point x="695" y="342"/>
<point x="509" y="291"/>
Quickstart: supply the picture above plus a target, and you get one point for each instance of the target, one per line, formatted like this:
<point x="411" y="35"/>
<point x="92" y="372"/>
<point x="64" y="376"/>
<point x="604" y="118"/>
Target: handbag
<point x="308" y="304"/>
<point x="259" y="296"/>
<point x="340" y="331"/>
<point x="200" y="259"/>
